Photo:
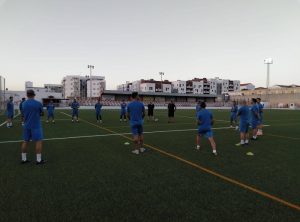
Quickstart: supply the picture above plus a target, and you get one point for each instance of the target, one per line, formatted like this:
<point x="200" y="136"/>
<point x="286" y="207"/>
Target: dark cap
<point x="30" y="92"/>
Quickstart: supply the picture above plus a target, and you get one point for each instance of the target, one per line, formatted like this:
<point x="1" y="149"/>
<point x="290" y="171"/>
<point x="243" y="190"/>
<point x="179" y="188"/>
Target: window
<point x="150" y="88"/>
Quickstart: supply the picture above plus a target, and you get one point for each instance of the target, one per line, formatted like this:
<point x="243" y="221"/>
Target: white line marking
<point x="6" y="121"/>
<point x="113" y="134"/>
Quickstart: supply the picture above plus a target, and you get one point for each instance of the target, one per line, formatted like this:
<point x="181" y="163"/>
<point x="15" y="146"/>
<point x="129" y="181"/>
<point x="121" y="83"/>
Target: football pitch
<point x="91" y="175"/>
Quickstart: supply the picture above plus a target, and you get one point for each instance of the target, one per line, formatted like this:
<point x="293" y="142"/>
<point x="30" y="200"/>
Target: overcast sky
<point x="43" y="40"/>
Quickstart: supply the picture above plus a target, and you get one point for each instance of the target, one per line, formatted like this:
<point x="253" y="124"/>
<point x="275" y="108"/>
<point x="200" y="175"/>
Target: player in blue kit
<point x="75" y="110"/>
<point x="233" y="115"/>
<point x="136" y="114"/>
<point x="243" y="113"/>
<point x="205" y="121"/>
<point x="255" y="118"/>
<point x="50" y="111"/>
<point x="123" y="111"/>
<point x="21" y="110"/>
<point x="98" y="107"/>
<point x="198" y="107"/>
<point x="10" y="112"/>
<point x="32" y="129"/>
<point x="260" y="110"/>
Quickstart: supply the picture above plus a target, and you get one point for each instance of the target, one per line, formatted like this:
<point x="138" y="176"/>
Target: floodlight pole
<point x="161" y="81"/>
<point x="91" y="67"/>
<point x="268" y="62"/>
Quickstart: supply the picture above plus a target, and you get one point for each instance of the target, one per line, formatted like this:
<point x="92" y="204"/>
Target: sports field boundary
<point x="112" y="134"/>
<point x="6" y="120"/>
<point x="206" y="170"/>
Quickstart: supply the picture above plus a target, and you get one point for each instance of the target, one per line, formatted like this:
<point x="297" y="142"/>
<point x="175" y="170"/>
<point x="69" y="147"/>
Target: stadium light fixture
<point x="161" y="74"/>
<point x="91" y="67"/>
<point x="268" y="62"/>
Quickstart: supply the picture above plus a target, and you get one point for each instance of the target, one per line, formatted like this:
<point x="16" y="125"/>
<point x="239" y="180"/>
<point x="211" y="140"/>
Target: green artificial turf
<point x="98" y="179"/>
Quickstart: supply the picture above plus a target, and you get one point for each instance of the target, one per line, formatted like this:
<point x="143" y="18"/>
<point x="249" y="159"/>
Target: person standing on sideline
<point x="205" y="122"/>
<point x="98" y="108"/>
<point x="21" y="110"/>
<point x="171" y="112"/>
<point x="243" y="113"/>
<point x="75" y="110"/>
<point x="233" y="115"/>
<point x="150" y="111"/>
<point x="10" y="112"/>
<point x="32" y="129"/>
<point x="136" y="114"/>
<point x="254" y="118"/>
<point x="123" y="111"/>
<point x="260" y="110"/>
<point x="50" y="111"/>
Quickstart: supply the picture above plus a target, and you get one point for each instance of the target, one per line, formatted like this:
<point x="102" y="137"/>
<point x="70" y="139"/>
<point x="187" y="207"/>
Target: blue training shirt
<point x="10" y="107"/>
<point x="254" y="113"/>
<point x="244" y="114"/>
<point x="205" y="118"/>
<point x="32" y="110"/>
<point x="21" y="106"/>
<point x="260" y="108"/>
<point x="50" y="108"/>
<point x="123" y="106"/>
<point x="75" y="105"/>
<point x="98" y="107"/>
<point x="136" y="110"/>
<point x="198" y="108"/>
<point x="234" y="109"/>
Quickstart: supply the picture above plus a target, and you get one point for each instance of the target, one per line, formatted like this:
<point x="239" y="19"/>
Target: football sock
<point x="246" y="141"/>
<point x="24" y="156"/>
<point x="39" y="157"/>
<point x="242" y="142"/>
<point x="214" y="151"/>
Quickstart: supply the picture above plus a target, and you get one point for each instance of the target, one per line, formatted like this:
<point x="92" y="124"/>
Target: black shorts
<point x="150" y="112"/>
<point x="170" y="114"/>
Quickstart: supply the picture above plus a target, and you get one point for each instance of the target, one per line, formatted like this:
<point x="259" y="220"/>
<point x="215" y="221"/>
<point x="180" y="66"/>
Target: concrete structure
<point x="150" y="85"/>
<point x="98" y="86"/>
<point x="43" y="94"/>
<point x="273" y="97"/>
<point x="247" y="86"/>
<point x="74" y="86"/>
<point x="180" y="87"/>
<point x="198" y="86"/>
<point x="54" y="87"/>
<point x="157" y="97"/>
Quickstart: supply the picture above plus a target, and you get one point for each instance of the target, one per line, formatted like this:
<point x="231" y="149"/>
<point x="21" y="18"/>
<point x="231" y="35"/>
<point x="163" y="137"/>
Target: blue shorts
<point x="50" y="115"/>
<point x="75" y="113"/>
<point x="254" y="124"/>
<point x="98" y="113"/>
<point x="10" y="115"/>
<point x="32" y="134"/>
<point x="136" y="129"/>
<point x="205" y="132"/>
<point x="244" y="127"/>
<point x="233" y="117"/>
<point x="123" y="112"/>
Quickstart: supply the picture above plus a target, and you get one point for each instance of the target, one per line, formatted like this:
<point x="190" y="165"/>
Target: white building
<point x="54" y="87"/>
<point x="150" y="85"/>
<point x="179" y="86"/>
<point x="72" y="86"/>
<point x="167" y="88"/>
<point x="247" y="86"/>
<point x="95" y="86"/>
<point x="147" y="87"/>
<point x="41" y="93"/>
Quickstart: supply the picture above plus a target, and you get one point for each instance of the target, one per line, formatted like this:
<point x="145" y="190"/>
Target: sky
<point x="127" y="40"/>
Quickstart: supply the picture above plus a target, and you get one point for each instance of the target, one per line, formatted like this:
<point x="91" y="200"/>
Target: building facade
<point x="95" y="86"/>
<point x="82" y="87"/>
